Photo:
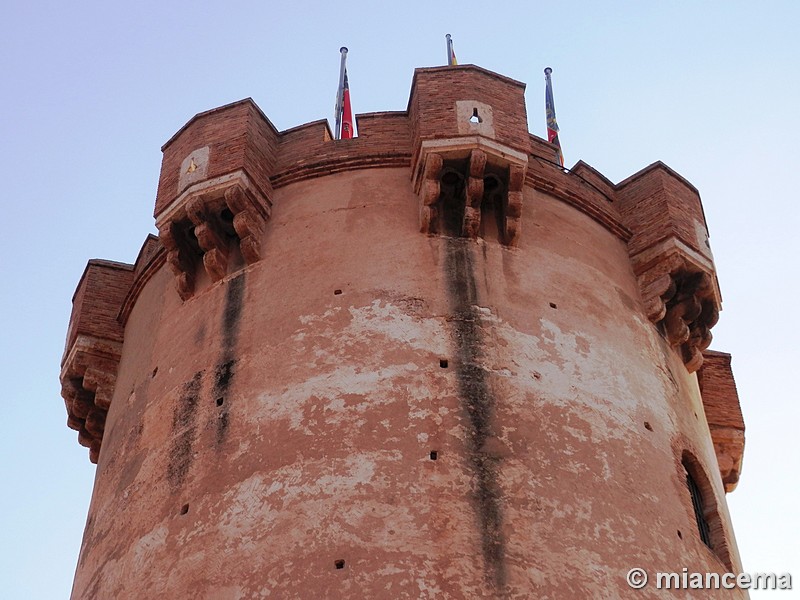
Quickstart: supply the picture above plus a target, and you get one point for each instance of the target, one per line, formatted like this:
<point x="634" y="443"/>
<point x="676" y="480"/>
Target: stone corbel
<point x="88" y="378"/>
<point x="210" y="239"/>
<point x="729" y="448"/>
<point x="472" y="207"/>
<point x="681" y="299"/>
<point x="203" y="221"/>
<point x="513" y="224"/>
<point x="179" y="258"/>
<point x="247" y="222"/>
<point x="471" y="160"/>
<point x="430" y="190"/>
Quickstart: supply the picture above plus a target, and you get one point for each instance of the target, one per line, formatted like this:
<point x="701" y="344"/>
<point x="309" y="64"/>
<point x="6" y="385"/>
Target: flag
<point x="451" y="54"/>
<point x="347" y="113"/>
<point x="452" y="61"/>
<point x="343" y="129"/>
<point x="550" y="114"/>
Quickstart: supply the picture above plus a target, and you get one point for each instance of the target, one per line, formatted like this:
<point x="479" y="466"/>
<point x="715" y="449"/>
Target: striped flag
<point x="343" y="129"/>
<point x="347" y="113"/>
<point x="550" y="114"/>
<point x="451" y="54"/>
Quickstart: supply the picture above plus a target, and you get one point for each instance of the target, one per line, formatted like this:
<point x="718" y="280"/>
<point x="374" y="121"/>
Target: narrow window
<point x="699" y="510"/>
<point x="705" y="509"/>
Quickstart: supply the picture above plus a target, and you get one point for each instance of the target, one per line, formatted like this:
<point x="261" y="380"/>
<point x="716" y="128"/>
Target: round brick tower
<point x="426" y="362"/>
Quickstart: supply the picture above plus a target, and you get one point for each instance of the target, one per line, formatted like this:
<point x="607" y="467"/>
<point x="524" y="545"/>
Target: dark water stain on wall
<point x="223" y="374"/>
<point x="477" y="401"/>
<point x="226" y="364"/>
<point x="184" y="428"/>
<point x="232" y="313"/>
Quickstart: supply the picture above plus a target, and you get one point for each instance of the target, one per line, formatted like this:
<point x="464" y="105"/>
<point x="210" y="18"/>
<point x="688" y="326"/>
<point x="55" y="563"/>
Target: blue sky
<point x="91" y="91"/>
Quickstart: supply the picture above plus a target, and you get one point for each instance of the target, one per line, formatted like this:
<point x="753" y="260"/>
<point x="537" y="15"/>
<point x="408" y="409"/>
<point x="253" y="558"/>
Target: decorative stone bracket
<point x="729" y="448"/>
<point x="88" y="377"/>
<point x="457" y="178"/>
<point x="682" y="299"/>
<point x="205" y="221"/>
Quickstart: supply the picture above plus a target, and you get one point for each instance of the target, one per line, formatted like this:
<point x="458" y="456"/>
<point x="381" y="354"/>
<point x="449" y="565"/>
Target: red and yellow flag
<point x="451" y="53"/>
<point x="347" y="113"/>
<point x="550" y="115"/>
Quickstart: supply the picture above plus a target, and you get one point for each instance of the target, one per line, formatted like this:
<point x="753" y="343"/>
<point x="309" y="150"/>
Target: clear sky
<point x="91" y="90"/>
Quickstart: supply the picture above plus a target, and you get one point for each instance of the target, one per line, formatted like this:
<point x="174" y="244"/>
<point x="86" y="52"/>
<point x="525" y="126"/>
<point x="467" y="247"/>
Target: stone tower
<point x="426" y="362"/>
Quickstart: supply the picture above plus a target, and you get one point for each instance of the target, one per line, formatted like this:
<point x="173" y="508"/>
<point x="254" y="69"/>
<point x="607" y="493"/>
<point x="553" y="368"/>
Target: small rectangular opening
<point x="699" y="510"/>
<point x="339" y="564"/>
<point x="443" y="363"/>
<point x="434" y="454"/>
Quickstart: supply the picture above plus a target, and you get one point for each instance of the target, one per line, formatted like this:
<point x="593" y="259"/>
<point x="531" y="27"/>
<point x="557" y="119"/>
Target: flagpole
<point x="449" y="50"/>
<point x="340" y="95"/>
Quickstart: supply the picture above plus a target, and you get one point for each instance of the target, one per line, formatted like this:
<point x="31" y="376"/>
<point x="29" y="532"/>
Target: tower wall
<point x="363" y="410"/>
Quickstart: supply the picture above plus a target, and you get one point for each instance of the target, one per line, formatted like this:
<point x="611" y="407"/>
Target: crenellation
<point x="147" y="253"/>
<point x="97" y="297"/>
<point x="436" y="92"/>
<point x="548" y="177"/>
<point x="541" y="148"/>
<point x="464" y="127"/>
<point x="658" y="205"/>
<point x="468" y="126"/>
<point x="235" y="138"/>
<point x="671" y="257"/>
<point x="595" y="180"/>
<point x="309" y="151"/>
<point x="723" y="414"/>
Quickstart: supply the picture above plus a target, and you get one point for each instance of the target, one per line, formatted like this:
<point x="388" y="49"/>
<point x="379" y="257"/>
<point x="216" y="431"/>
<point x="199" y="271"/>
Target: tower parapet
<point x="671" y="256"/>
<point x="214" y="191"/>
<point x="94" y="344"/>
<point x="723" y="413"/>
<point x="470" y="143"/>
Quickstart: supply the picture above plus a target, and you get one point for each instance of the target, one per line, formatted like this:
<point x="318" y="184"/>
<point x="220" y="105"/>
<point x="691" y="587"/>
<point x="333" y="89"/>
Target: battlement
<point x="470" y="161"/>
<point x="94" y="345"/>
<point x="724" y="415"/>
<point x="447" y="103"/>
